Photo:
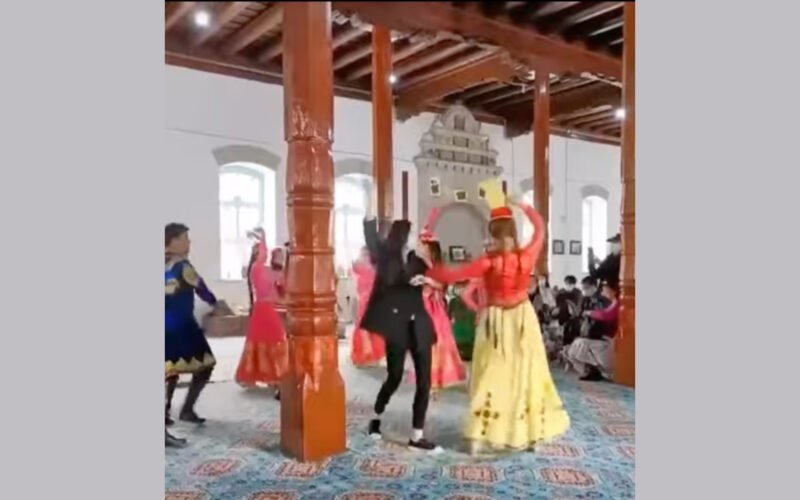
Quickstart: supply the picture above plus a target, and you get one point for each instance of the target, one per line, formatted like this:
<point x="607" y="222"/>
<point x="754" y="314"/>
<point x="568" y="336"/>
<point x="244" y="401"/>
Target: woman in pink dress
<point x="265" y="356"/>
<point x="368" y="348"/>
<point x="447" y="368"/>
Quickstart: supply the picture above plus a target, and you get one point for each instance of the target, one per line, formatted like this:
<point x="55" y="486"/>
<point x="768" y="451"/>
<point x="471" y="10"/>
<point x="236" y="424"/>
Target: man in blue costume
<point x="186" y="347"/>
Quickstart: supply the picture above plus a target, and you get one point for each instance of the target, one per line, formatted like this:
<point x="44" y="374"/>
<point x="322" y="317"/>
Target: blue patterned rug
<point x="235" y="455"/>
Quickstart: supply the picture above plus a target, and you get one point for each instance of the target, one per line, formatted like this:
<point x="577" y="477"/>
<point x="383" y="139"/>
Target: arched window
<point x="243" y="191"/>
<point x="594" y="228"/>
<point x="351" y="202"/>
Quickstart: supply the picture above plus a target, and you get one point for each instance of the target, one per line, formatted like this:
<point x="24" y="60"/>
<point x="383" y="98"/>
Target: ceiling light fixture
<point x="202" y="18"/>
<point x="620" y="113"/>
<point x="392" y="79"/>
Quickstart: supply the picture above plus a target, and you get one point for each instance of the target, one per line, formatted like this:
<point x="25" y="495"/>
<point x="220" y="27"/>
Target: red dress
<point x="447" y="368"/>
<point x="368" y="348"/>
<point x="265" y="356"/>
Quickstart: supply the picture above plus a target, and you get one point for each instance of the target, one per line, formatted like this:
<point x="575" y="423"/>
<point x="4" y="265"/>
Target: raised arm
<point x="449" y="275"/>
<point x="535" y="245"/>
<point x="194" y="280"/>
<point x="371" y="237"/>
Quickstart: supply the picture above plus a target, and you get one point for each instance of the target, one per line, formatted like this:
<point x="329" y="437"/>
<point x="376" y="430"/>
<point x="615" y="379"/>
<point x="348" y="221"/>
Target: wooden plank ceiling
<point x="481" y="54"/>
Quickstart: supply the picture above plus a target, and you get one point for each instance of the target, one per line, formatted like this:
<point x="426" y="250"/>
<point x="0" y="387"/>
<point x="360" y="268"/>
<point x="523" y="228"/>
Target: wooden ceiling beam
<point x="609" y="120"/>
<point x="526" y="44"/>
<point x="415" y="94"/>
<point x="585" y="135"/>
<point x="585" y="121"/>
<point x="255" y="29"/>
<point x="610" y="129"/>
<point x="206" y="59"/>
<point x="579" y="114"/>
<point x="483" y="89"/>
<point x="352" y="56"/>
<point x="516" y="91"/>
<point x="585" y="12"/>
<point x="428" y="59"/>
<point x="175" y="11"/>
<point x="555" y="89"/>
<point x="597" y="26"/>
<point x="585" y="98"/>
<point x="550" y="8"/>
<point x="413" y="48"/>
<point x="275" y="48"/>
<point x="227" y="12"/>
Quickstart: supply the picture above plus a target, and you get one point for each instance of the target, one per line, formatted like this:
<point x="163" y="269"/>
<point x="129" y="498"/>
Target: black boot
<point x="199" y="381"/>
<point x="593" y="375"/>
<point x="170" y="440"/>
<point x="172" y="383"/>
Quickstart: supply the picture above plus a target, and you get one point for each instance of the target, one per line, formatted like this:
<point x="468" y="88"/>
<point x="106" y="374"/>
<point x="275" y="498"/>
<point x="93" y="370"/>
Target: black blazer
<point x="608" y="270"/>
<point x="394" y="301"/>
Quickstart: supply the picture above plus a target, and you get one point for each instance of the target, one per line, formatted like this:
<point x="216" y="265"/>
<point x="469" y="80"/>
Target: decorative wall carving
<point x="454" y="158"/>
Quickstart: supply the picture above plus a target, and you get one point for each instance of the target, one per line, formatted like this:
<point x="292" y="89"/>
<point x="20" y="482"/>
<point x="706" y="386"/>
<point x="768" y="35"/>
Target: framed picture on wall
<point x="436" y="187"/>
<point x="575" y="247"/>
<point x="460" y="195"/>
<point x="458" y="254"/>
<point x="558" y="247"/>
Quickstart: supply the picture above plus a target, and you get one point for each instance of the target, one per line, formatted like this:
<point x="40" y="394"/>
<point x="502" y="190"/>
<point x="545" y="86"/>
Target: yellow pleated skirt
<point x="513" y="399"/>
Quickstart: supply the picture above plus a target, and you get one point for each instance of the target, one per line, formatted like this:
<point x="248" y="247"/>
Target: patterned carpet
<point x="235" y="455"/>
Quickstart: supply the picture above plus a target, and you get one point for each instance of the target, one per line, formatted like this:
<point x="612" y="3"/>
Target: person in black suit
<point x="396" y="312"/>
<point x="608" y="270"/>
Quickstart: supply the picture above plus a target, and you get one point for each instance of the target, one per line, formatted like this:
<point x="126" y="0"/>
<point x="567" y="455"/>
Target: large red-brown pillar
<point x="382" y="125"/>
<point x="625" y="362"/>
<point x="541" y="160"/>
<point x="312" y="394"/>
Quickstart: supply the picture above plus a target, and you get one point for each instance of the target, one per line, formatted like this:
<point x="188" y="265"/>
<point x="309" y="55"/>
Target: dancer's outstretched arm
<point x="191" y="277"/>
<point x="448" y="275"/>
<point x="534" y="246"/>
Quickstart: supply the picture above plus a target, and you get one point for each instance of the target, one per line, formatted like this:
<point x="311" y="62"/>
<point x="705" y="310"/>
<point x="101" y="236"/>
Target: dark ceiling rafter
<point x="438" y="59"/>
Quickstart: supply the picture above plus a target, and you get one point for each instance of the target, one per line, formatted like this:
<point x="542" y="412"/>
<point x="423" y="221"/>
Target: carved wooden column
<point x="382" y="153"/>
<point x="624" y="363"/>
<point x="541" y="160"/>
<point x="312" y="394"/>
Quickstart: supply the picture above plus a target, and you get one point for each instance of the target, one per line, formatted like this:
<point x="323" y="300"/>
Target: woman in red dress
<point x="265" y="356"/>
<point x="447" y="368"/>
<point x="368" y="348"/>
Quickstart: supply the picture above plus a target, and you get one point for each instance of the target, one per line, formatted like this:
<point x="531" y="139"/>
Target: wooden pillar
<point x="382" y="124"/>
<point x="312" y="393"/>
<point x="625" y="356"/>
<point x="541" y="160"/>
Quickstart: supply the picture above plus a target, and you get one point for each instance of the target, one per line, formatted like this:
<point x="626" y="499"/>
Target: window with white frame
<point x="244" y="189"/>
<point x="594" y="228"/>
<point x="351" y="204"/>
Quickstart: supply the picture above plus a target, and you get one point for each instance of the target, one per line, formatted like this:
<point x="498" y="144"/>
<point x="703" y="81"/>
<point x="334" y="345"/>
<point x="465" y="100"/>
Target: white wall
<point x="206" y="112"/>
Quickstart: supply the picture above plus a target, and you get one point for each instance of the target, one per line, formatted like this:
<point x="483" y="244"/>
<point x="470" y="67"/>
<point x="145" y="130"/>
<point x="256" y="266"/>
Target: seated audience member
<point x="593" y="299"/>
<point x="542" y="298"/>
<point x="568" y="302"/>
<point x="592" y="356"/>
<point x="571" y="290"/>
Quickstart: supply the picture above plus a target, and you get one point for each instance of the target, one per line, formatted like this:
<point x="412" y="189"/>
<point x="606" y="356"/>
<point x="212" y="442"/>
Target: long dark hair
<point x="435" y="250"/>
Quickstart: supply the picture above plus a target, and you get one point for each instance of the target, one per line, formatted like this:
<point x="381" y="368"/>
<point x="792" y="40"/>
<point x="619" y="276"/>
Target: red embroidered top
<point x="505" y="274"/>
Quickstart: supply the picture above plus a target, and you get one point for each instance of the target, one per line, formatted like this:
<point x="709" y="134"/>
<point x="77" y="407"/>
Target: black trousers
<point x="395" y="364"/>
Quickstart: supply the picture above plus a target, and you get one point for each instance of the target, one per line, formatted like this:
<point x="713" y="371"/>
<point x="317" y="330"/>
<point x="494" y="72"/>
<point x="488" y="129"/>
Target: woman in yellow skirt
<point x="514" y="403"/>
